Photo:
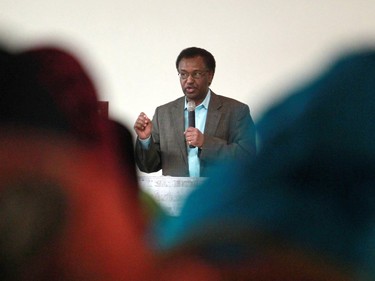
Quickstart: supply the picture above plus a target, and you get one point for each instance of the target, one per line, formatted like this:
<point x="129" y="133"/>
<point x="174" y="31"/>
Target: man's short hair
<point x="198" y="52"/>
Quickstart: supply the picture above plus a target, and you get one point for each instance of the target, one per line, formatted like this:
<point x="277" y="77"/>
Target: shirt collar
<point x="205" y="102"/>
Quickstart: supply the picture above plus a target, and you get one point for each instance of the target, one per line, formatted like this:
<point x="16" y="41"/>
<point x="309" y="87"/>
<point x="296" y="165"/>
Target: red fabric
<point x="100" y="239"/>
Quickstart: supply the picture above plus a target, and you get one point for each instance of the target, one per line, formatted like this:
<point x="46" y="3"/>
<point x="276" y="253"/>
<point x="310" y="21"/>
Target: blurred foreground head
<point x="64" y="211"/>
<point x="47" y="87"/>
<point x="305" y="208"/>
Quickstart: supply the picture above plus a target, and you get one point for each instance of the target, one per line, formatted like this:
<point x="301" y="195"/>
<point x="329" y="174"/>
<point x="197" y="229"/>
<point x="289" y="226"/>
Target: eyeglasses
<point x="195" y="74"/>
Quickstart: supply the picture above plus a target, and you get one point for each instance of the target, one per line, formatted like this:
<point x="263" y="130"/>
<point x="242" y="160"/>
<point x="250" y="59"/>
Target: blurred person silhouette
<point x="65" y="214"/>
<point x="72" y="89"/>
<point x="304" y="209"/>
<point x="68" y="83"/>
<point x="185" y="141"/>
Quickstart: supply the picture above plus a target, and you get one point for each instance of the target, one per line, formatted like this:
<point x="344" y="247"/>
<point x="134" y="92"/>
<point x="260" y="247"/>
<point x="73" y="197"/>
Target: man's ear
<point x="211" y="77"/>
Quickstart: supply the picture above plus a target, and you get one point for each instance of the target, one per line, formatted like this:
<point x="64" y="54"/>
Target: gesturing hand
<point x="143" y="126"/>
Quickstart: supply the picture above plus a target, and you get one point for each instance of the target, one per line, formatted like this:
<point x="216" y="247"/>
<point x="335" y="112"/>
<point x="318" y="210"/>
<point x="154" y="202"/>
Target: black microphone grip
<point x="191" y="117"/>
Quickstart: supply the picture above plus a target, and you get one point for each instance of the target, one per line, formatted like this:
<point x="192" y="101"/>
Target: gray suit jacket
<point x="229" y="133"/>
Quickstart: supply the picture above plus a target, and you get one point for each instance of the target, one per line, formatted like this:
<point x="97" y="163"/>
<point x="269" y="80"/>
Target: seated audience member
<point x="305" y="208"/>
<point x="64" y="211"/>
<point x="68" y="83"/>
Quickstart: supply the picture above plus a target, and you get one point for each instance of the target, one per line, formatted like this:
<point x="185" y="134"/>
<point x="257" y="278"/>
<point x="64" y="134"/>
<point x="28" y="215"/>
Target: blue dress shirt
<point x="200" y="122"/>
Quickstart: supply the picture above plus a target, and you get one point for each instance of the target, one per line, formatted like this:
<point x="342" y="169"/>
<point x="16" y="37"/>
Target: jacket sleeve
<point x="235" y="138"/>
<point x="149" y="160"/>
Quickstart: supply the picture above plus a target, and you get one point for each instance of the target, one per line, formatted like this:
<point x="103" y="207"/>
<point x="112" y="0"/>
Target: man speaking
<point x="189" y="135"/>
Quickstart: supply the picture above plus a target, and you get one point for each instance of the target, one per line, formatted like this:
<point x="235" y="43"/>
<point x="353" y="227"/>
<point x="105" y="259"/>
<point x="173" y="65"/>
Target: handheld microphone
<point x="191" y="116"/>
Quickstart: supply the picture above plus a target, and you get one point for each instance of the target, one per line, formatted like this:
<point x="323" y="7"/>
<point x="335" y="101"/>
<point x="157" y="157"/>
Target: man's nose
<point x="190" y="79"/>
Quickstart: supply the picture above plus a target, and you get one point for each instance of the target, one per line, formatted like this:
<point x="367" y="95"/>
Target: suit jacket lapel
<point x="178" y="116"/>
<point x="213" y="115"/>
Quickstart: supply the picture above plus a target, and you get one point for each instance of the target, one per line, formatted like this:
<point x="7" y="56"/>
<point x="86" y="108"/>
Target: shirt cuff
<point x="145" y="143"/>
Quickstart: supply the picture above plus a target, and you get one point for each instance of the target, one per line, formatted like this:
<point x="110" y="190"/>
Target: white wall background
<point x="261" y="47"/>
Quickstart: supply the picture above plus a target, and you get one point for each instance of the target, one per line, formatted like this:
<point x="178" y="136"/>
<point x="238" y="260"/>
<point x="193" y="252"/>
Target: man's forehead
<point x="196" y="61"/>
